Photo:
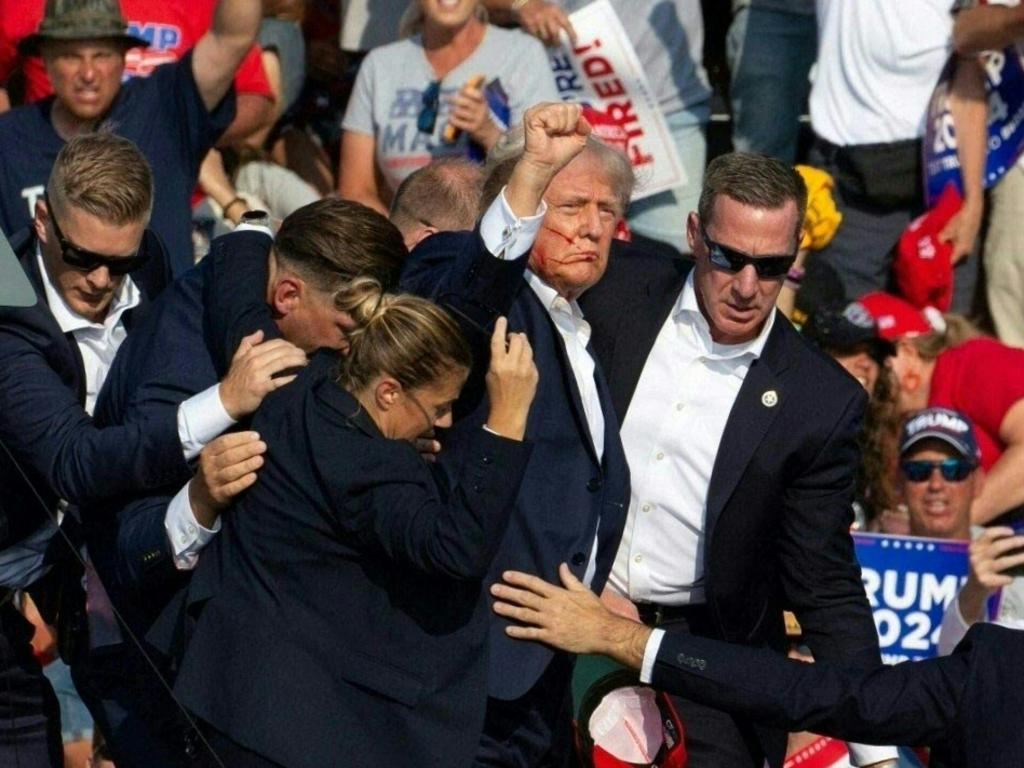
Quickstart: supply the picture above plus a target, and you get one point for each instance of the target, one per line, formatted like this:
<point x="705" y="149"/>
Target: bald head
<point x="441" y="196"/>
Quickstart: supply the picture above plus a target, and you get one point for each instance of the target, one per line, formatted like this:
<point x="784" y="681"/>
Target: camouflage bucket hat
<point x="80" y="20"/>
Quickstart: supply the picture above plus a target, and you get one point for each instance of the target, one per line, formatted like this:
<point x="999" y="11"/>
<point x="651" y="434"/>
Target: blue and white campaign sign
<point x="909" y="582"/>
<point x="1004" y="83"/>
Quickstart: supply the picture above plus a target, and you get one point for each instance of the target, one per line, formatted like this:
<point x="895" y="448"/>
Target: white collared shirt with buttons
<point x="509" y="237"/>
<point x="671" y="436"/>
<point x="200" y="418"/>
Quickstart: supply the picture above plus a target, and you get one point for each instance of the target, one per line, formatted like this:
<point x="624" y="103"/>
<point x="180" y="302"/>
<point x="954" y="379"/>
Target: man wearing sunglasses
<point x="939" y="467"/>
<point x="741" y="446"/>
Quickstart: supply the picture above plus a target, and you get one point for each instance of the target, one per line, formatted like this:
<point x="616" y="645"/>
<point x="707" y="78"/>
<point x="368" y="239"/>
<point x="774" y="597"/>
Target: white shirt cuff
<point x="186" y="535"/>
<point x="650" y="655"/>
<point x="954" y="627"/>
<point x="866" y="754"/>
<point x="201" y="418"/>
<point x="505" y="235"/>
<point x="246" y="227"/>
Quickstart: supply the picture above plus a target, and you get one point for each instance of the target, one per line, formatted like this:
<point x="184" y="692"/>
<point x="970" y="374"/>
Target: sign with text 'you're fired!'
<point x="603" y="73"/>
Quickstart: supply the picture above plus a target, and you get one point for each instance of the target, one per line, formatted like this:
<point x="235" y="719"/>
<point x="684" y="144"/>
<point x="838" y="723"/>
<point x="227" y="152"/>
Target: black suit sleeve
<point x="235" y="294"/>
<point x="911" y="703"/>
<point x="45" y="427"/>
<point x="818" y="568"/>
<point x="395" y="507"/>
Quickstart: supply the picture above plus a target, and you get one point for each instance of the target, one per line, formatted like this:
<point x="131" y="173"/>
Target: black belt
<point x="654" y="615"/>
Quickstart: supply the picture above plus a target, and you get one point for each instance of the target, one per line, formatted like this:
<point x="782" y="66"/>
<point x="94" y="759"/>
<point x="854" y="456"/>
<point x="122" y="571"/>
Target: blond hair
<point x="404" y="336"/>
<point x="105" y="175"/>
<point x="956" y="330"/>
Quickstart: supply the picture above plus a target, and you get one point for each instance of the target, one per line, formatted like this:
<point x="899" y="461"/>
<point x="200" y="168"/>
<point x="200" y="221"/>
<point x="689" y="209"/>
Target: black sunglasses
<point x="427" y="118"/>
<point x="87" y="261"/>
<point x="733" y="260"/>
<point x="953" y="470"/>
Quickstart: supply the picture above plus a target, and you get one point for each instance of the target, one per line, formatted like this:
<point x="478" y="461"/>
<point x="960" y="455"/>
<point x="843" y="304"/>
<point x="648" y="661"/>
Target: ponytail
<point x="404" y="336"/>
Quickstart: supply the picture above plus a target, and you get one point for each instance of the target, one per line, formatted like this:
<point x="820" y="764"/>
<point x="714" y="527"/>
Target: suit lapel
<point x="759" y="401"/>
<point x="536" y="308"/>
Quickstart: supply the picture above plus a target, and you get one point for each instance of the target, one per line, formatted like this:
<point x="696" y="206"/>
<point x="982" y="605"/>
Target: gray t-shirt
<point x="388" y="95"/>
<point x="668" y="36"/>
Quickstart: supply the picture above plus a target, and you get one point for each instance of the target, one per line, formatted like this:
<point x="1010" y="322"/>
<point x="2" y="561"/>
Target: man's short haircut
<point x="758" y="181"/>
<point x="104" y="175"/>
<point x="330" y="242"/>
<point x="505" y="153"/>
<point x="444" y="194"/>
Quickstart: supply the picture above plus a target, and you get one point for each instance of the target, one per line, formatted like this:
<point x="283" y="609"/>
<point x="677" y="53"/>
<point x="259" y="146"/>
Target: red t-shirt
<point x="170" y="26"/>
<point x="981" y="378"/>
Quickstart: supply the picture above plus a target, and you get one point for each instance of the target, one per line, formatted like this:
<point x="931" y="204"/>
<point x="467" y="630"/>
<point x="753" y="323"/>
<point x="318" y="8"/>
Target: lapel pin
<point x="770" y="398"/>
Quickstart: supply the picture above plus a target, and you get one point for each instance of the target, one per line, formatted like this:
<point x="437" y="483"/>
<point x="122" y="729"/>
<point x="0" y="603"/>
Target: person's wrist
<point x="626" y="641"/>
<point x="526" y="187"/>
<point x="507" y="423"/>
<point x="228" y="401"/>
<point x="203" y="508"/>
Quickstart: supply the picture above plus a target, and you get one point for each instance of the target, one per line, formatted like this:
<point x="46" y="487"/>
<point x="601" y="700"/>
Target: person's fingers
<point x="520" y="597"/>
<point x="232" y="440"/>
<point x="995" y="532"/>
<point x="279" y="360"/>
<point x="279" y="381"/>
<point x="528" y="581"/>
<point x="517" y="613"/>
<point x="498" y="337"/>
<point x="239" y="453"/>
<point x="1008" y="544"/>
<point x="569" y="581"/>
<point x="233" y="472"/>
<point x="247" y="343"/>
<point x="525" y="633"/>
<point x="232" y="489"/>
<point x="515" y="346"/>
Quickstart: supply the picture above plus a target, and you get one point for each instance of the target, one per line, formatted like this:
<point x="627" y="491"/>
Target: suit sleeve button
<point x="579" y="558"/>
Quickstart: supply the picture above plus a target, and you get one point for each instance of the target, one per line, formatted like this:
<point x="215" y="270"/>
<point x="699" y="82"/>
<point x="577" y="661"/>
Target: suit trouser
<point x="29" y="712"/>
<point x="714" y="739"/>
<point x="535" y="730"/>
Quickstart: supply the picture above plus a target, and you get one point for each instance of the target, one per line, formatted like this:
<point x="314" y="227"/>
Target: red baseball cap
<point x="894" y="317"/>
<point x="922" y="267"/>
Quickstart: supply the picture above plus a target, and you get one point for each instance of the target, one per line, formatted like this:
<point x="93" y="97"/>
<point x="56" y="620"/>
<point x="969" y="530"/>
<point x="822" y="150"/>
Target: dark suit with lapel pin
<point x="779" y="501"/>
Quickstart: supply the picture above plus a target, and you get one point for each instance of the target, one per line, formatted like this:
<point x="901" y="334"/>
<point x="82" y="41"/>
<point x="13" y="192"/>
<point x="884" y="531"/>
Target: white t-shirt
<point x="878" y="63"/>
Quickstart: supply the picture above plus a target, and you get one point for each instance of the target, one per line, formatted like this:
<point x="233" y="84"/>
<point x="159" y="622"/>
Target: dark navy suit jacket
<point x="567" y="496"/>
<point x="967" y="706"/>
<point x="779" y="502"/>
<point x="348" y="626"/>
<point x="42" y="418"/>
<point x="163" y="362"/>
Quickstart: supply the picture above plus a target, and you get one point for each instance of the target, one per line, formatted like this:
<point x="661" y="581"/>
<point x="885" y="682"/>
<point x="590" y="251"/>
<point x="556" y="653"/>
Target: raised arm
<point x="219" y="52"/>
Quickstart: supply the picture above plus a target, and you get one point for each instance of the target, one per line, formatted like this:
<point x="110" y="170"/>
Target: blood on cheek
<point x="541" y="254"/>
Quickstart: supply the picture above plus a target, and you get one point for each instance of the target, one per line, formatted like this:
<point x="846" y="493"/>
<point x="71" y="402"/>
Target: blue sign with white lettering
<point x="1004" y="84"/>
<point x="909" y="582"/>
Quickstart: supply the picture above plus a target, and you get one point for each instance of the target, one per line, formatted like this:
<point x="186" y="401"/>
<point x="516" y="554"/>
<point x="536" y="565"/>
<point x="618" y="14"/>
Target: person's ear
<point x="39" y="221"/>
<point x="692" y="229"/>
<point x="386" y="393"/>
<point x="287" y="295"/>
<point x="418" y="235"/>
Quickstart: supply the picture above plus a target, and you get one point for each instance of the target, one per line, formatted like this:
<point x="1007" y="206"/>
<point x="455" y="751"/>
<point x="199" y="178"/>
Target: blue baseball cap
<point x="952" y="427"/>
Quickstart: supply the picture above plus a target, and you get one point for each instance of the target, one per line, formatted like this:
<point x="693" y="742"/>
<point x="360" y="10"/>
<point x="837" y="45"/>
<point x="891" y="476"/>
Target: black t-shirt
<point x="163" y="114"/>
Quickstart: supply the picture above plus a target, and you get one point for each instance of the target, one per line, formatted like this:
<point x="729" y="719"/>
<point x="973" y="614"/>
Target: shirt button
<point x="638" y="559"/>
<point x="679" y="406"/>
<point x="579" y="558"/>
<point x="659" y="455"/>
<point x="646" y="508"/>
<point x="191" y="528"/>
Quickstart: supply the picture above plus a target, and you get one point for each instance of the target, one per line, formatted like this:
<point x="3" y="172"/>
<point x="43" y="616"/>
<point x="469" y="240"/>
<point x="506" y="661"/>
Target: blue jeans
<point x="769" y="78"/>
<point x="663" y="216"/>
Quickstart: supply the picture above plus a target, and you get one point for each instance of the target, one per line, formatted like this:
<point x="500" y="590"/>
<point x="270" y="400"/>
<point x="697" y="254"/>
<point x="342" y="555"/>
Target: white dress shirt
<point x="671" y="435"/>
<point x="509" y="237"/>
<point x="200" y="418"/>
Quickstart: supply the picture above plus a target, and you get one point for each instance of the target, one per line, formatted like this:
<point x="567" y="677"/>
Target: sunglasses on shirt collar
<point x="87" y="261"/>
<point x="952" y="470"/>
<point x="427" y="118"/>
<point x="732" y="260"/>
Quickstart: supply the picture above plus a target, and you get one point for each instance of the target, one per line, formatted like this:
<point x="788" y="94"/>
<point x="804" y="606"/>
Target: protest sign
<point x="1004" y="83"/>
<point x="909" y="582"/>
<point x="603" y="73"/>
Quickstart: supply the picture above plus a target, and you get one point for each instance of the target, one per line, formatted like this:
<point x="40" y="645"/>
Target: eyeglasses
<point x="733" y="260"/>
<point x="87" y="261"/>
<point x="953" y="470"/>
<point x="427" y="118"/>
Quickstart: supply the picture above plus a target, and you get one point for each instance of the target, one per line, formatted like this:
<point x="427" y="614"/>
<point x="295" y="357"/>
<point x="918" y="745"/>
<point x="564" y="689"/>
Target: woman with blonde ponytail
<point x="349" y="623"/>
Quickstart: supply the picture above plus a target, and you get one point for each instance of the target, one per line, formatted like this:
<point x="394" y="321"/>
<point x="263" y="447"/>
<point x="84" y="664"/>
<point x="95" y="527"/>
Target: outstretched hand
<point x="571" y="618"/>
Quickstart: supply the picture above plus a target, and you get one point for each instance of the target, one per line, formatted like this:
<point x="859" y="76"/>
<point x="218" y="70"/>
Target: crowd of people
<point x="353" y="389"/>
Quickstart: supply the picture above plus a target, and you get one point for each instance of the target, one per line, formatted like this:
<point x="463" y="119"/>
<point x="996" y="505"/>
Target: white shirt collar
<point x="686" y="307"/>
<point x="549" y="296"/>
<point x="127" y="297"/>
